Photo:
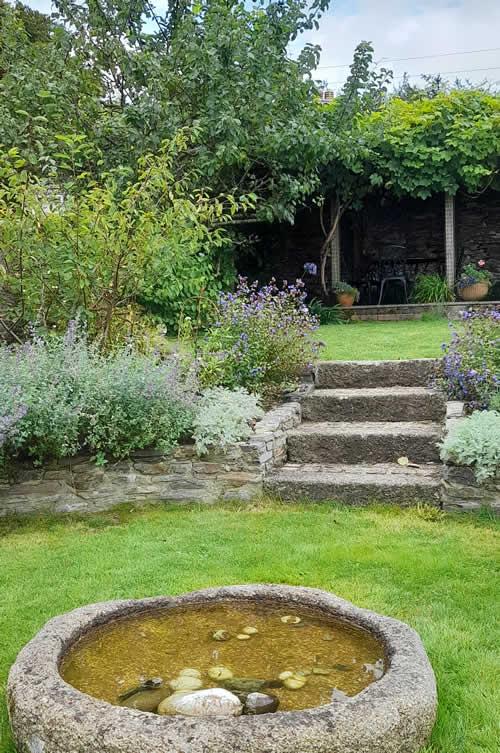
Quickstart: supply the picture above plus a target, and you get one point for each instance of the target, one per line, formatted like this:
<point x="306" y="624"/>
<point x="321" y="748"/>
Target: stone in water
<point x="188" y="672"/>
<point x="203" y="703"/>
<point x="146" y="700"/>
<point x="290" y="619"/>
<point x="250" y="630"/>
<point x="220" y="673"/>
<point x="295" y="682"/>
<point x="154" y="682"/>
<point x="186" y="683"/>
<point x="221" y="635"/>
<point x="321" y="671"/>
<point x="261" y="703"/>
<point x="243" y="637"/>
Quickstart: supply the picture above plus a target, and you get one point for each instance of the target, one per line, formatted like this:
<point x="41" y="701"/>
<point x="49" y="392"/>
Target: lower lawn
<point x="379" y="341"/>
<point x="436" y="573"/>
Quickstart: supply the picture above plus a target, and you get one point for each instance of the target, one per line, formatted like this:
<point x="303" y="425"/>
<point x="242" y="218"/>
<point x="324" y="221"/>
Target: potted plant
<point x="474" y="282"/>
<point x="431" y="288"/>
<point x="346" y="294"/>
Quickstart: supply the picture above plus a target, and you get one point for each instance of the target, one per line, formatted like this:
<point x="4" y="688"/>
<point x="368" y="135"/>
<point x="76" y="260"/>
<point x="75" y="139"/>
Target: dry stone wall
<point x="77" y="485"/>
<point x="460" y="490"/>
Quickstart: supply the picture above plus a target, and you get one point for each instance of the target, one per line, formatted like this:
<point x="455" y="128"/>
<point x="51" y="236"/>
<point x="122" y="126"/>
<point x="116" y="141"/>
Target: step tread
<point x="348" y="393"/>
<point x="383" y="474"/>
<point x="378" y="363"/>
<point x="367" y="428"/>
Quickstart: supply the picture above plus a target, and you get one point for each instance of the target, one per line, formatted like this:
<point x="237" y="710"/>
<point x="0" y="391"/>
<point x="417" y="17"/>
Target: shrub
<point x="61" y="395"/>
<point x="475" y="441"/>
<point x="327" y="314"/>
<point x="431" y="289"/>
<point x="261" y="340"/>
<point x="470" y="369"/>
<point x="223" y="417"/>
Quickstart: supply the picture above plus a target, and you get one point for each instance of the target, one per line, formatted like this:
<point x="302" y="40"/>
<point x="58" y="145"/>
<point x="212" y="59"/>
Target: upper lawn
<point x="439" y="575"/>
<point x="379" y="341"/>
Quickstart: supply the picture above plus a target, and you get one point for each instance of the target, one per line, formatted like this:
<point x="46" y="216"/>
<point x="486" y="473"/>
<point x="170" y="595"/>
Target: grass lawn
<point x="436" y="574"/>
<point x="378" y="341"/>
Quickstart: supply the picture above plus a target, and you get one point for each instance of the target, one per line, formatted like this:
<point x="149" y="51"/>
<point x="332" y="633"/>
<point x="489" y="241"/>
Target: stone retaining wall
<point x="78" y="485"/>
<point x="405" y="311"/>
<point x="460" y="490"/>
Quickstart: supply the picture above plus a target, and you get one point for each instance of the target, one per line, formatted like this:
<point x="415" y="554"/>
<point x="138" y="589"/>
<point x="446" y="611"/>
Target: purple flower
<point x="311" y="268"/>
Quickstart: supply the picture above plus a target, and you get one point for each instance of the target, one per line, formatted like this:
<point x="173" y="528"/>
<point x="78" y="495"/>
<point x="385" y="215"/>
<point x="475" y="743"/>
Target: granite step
<point x="365" y="374"/>
<point x="374" y="404"/>
<point x="364" y="442"/>
<point x="357" y="484"/>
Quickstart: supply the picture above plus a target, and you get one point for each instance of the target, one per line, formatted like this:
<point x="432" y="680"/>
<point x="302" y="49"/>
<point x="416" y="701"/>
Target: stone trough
<point x="395" y="714"/>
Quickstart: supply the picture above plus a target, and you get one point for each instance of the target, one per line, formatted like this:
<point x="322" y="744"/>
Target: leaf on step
<point x="404" y="461"/>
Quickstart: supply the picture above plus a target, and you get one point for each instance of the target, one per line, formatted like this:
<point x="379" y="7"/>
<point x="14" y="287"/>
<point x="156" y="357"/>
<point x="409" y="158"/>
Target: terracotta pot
<point x="475" y="292"/>
<point x="345" y="299"/>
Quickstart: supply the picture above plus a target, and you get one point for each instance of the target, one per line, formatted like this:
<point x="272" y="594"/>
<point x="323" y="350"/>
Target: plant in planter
<point x="431" y="289"/>
<point x="346" y="294"/>
<point x="474" y="282"/>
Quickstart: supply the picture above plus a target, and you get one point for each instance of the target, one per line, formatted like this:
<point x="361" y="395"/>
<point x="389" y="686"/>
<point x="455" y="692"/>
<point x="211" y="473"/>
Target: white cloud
<point x="402" y="29"/>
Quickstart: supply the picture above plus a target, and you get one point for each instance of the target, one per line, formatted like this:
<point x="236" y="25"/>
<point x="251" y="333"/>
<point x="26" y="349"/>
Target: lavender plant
<point x="470" y="368"/>
<point x="261" y="339"/>
<point x="61" y="395"/>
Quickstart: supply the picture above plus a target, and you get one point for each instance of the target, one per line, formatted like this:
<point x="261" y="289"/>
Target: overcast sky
<point x="406" y="29"/>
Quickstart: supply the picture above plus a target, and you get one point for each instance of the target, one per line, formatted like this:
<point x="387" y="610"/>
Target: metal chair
<point x="395" y="270"/>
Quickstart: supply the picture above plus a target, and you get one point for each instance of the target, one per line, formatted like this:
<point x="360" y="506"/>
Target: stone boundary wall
<point x="460" y="490"/>
<point x="78" y="485"/>
<point x="405" y="311"/>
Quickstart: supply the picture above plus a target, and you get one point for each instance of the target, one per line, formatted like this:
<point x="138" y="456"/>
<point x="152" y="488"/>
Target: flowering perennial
<point x="261" y="338"/>
<point x="470" y="369"/>
<point x="60" y="396"/>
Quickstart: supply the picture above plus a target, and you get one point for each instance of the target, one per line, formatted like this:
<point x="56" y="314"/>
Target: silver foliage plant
<point x="223" y="417"/>
<point x="475" y="442"/>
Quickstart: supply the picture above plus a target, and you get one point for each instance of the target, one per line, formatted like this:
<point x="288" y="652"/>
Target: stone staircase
<point x="360" y="418"/>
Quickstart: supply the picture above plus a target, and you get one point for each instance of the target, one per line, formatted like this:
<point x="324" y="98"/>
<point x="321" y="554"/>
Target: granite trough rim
<point x="402" y="702"/>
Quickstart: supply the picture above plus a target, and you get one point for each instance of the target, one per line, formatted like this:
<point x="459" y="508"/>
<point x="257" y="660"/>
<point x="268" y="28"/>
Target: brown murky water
<point x="126" y="652"/>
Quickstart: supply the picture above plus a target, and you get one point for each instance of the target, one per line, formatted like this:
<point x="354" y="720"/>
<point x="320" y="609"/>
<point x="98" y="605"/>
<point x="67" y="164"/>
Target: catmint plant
<point x="261" y="338"/>
<point x="62" y="395"/>
<point x="470" y="368"/>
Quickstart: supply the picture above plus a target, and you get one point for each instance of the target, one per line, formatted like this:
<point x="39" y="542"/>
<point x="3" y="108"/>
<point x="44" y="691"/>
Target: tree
<point x="344" y="172"/>
<point x="222" y="66"/>
<point x="96" y="253"/>
<point x="45" y="89"/>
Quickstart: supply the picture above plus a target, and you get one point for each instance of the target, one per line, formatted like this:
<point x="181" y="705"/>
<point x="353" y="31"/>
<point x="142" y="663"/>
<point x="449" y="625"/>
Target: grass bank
<point x="379" y="341"/>
<point x="438" y="574"/>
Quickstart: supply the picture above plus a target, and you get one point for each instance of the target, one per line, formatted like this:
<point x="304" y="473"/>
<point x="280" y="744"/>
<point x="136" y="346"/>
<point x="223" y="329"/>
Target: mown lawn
<point x="378" y="341"/>
<point x="438" y="574"/>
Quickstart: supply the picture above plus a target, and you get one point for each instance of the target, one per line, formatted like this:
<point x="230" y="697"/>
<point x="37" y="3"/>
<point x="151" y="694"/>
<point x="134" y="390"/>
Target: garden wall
<point x="78" y="485"/>
<point x="460" y="490"/>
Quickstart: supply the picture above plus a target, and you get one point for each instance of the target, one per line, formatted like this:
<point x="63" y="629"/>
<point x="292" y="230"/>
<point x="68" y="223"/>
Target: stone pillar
<point x="335" y="254"/>
<point x="449" y="239"/>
